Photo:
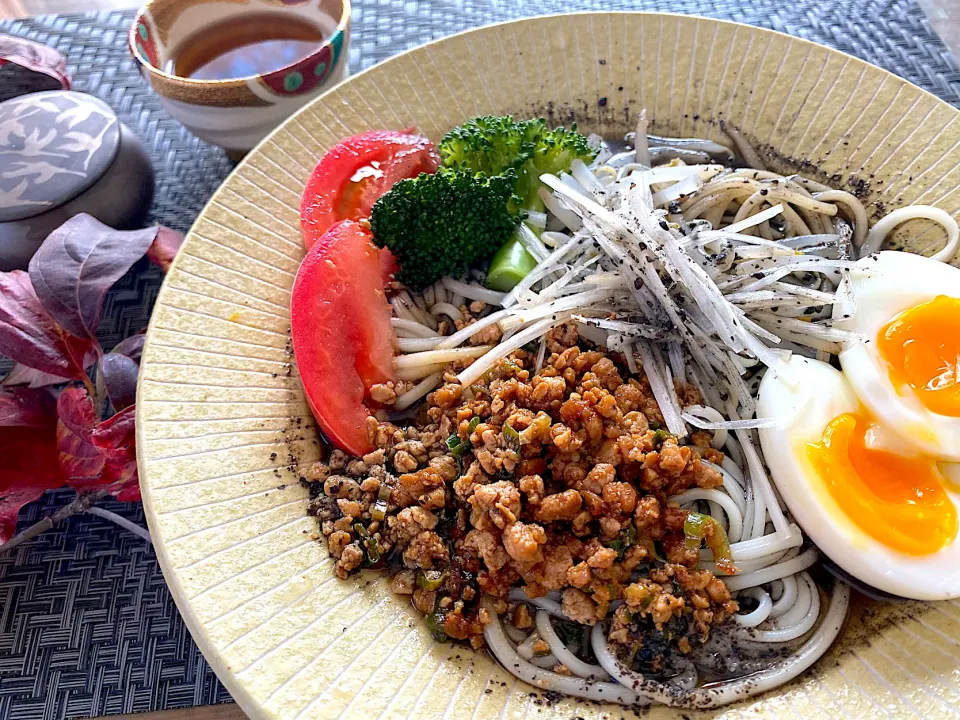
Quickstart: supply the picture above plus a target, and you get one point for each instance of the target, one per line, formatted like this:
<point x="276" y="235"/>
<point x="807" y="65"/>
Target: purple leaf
<point x="120" y="378"/>
<point x="29" y="336"/>
<point x="132" y="347"/>
<point x="77" y="264"/>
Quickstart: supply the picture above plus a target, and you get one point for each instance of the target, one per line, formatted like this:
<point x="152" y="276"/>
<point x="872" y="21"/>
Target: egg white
<point x="881" y="287"/>
<point x="821" y="394"/>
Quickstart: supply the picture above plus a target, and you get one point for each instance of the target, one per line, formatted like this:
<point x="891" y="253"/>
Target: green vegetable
<point x="493" y="145"/>
<point x="372" y="545"/>
<point x="441" y="224"/>
<point x="511" y="435"/>
<point x="509" y="265"/>
<point x="434" y="623"/>
<point x="659" y="436"/>
<point x="458" y="448"/>
<point x="379" y="511"/>
<point x="651" y="547"/>
<point x="431" y="579"/>
<point x="625" y="539"/>
<point x="526" y="149"/>
<point x="474" y="423"/>
<point x="374" y="551"/>
<point x="698" y="527"/>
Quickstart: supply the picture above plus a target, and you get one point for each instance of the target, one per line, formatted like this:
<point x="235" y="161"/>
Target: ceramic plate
<point x="224" y="431"/>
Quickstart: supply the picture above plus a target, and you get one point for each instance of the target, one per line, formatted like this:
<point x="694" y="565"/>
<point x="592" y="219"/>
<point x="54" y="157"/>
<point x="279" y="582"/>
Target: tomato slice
<point x="352" y="176"/>
<point x="343" y="340"/>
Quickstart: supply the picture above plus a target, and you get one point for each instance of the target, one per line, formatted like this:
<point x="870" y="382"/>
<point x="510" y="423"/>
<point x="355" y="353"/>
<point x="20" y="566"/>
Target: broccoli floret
<point x="493" y="145"/>
<point x="442" y="223"/>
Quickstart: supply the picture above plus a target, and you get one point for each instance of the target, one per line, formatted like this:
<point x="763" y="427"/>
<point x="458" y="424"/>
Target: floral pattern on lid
<point x="55" y="145"/>
<point x="308" y="74"/>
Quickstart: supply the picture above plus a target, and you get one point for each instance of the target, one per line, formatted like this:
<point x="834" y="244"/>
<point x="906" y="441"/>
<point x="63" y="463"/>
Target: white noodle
<point x="418" y="391"/>
<point x="444" y="308"/>
<point x="574" y="664"/>
<point x="480" y="366"/>
<point x="474" y="292"/>
<point x="879" y="232"/>
<point x="407" y="345"/>
<point x="416" y="328"/>
<point x="432" y="357"/>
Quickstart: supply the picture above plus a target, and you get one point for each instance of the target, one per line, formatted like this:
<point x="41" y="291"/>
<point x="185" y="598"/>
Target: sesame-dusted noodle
<point x="695" y="270"/>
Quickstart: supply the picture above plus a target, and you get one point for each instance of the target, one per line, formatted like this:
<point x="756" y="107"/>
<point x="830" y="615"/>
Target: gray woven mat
<point x="87" y="626"/>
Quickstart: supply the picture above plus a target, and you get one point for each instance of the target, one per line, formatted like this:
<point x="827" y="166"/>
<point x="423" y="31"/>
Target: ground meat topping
<point x="559" y="482"/>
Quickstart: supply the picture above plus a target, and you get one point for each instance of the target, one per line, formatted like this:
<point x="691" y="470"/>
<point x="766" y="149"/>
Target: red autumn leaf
<point x="22" y="375"/>
<point x="23" y="407"/>
<point x="81" y="462"/>
<point x="36" y="57"/>
<point x="29" y="467"/>
<point x="31" y="337"/>
<point x="116" y="439"/>
<point x="165" y="247"/>
<point x="76" y="265"/>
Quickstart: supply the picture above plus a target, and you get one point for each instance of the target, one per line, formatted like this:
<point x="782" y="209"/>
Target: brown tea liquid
<point x="245" y="45"/>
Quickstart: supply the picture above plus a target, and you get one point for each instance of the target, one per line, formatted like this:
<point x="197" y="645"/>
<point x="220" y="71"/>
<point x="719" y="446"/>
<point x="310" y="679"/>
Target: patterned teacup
<point x="237" y="113"/>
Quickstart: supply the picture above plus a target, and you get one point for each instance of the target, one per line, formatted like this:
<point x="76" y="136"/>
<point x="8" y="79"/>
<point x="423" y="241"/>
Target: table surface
<point x="943" y="17"/>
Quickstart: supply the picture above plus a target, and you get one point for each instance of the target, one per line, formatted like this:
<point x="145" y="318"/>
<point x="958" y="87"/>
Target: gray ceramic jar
<point x="63" y="153"/>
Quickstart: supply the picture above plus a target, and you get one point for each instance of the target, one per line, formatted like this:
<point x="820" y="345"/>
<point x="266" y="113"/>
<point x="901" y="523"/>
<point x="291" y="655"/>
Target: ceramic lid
<point x="53" y="145"/>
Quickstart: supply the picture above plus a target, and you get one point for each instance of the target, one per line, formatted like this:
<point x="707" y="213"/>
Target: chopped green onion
<point x="431" y="579"/>
<point x="374" y="552"/>
<point x="509" y="265"/>
<point x="698" y="527"/>
<point x="434" y="623"/>
<point x="624" y="539"/>
<point x="615" y="545"/>
<point x="385" y="492"/>
<point x="659" y="436"/>
<point x="458" y="448"/>
<point x="647" y="542"/>
<point x="379" y="511"/>
<point x="371" y="544"/>
<point x="474" y="423"/>
<point x="511" y="435"/>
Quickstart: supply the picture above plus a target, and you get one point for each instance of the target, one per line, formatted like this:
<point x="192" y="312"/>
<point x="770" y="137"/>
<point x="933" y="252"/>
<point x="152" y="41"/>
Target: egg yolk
<point x="921" y="347"/>
<point x="898" y="501"/>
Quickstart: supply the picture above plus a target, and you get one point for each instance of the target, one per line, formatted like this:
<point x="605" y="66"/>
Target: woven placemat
<point x="87" y="626"/>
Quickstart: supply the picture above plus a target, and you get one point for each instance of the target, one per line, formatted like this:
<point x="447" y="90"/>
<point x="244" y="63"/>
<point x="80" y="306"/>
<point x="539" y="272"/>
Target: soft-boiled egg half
<point x="905" y="366"/>
<point x="879" y="507"/>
